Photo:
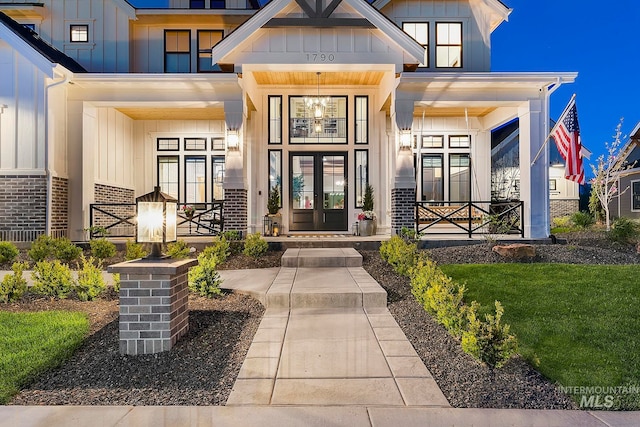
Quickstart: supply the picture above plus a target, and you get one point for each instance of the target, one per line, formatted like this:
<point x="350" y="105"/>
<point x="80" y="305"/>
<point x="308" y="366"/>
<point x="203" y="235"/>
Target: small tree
<point x="367" y="199"/>
<point x="273" y="202"/>
<point x="607" y="174"/>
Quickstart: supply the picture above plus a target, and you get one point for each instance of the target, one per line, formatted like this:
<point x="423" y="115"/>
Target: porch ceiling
<point x="451" y="111"/>
<point x="146" y="113"/>
<point x="301" y="78"/>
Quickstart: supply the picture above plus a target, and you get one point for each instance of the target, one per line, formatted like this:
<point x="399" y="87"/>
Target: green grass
<point x="579" y="325"/>
<point x="31" y="343"/>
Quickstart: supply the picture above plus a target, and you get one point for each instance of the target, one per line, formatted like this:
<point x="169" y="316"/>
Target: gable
<point x="342" y="38"/>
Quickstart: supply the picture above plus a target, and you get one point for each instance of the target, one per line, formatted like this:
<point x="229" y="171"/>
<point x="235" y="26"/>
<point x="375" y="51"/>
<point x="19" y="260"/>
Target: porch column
<point x="235" y="190"/>
<point x="403" y="193"/>
<point x="534" y="180"/>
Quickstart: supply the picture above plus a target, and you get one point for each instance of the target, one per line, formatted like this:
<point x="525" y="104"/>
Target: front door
<point x="318" y="191"/>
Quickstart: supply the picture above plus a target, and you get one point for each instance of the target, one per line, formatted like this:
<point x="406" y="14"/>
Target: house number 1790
<point x="320" y="57"/>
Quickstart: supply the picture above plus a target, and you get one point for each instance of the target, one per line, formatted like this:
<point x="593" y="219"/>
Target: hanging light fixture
<point x="317" y="106"/>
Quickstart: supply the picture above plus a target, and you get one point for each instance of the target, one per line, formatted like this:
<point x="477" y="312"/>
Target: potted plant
<point x="273" y="201"/>
<point x="367" y="224"/>
<point x="189" y="211"/>
<point x="273" y="219"/>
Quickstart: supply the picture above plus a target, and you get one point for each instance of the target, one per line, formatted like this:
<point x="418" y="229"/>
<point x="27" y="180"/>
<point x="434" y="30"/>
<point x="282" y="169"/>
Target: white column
<point x="534" y="180"/>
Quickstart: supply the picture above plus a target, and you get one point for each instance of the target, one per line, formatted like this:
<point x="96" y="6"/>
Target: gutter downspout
<point x="47" y="170"/>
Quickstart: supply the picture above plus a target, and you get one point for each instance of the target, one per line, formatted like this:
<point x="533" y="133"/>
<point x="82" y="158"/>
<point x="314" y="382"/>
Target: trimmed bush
<point x="65" y="250"/>
<point x="102" y="249"/>
<point x="90" y="281"/>
<point x="178" y="249"/>
<point x="13" y="285"/>
<point x="220" y="249"/>
<point x="42" y="248"/>
<point x="236" y="245"/>
<point x="400" y="254"/>
<point x="582" y="219"/>
<point x="116" y="282"/>
<point x="52" y="278"/>
<point x="624" y="230"/>
<point x="134" y="250"/>
<point x="488" y="340"/>
<point x="255" y="246"/>
<point x="204" y="279"/>
<point x="8" y="252"/>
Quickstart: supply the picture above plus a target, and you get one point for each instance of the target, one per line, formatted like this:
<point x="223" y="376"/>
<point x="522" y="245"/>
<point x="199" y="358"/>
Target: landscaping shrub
<point x="13" y="285"/>
<point x="178" y="249"/>
<point x="90" y="282"/>
<point x="116" y="282"/>
<point x="8" y="252"/>
<point x="65" y="250"/>
<point x="235" y="241"/>
<point x="102" y="249"/>
<point x="582" y="219"/>
<point x="488" y="340"/>
<point x="564" y="222"/>
<point x="218" y="250"/>
<point x="624" y="230"/>
<point x="52" y="278"/>
<point x="134" y="250"/>
<point x="400" y="254"/>
<point x="255" y="246"/>
<point x="42" y="248"/>
<point x="204" y="279"/>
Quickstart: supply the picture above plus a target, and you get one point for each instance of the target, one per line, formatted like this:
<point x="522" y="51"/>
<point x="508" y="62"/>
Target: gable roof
<point x="32" y="39"/>
<point x="271" y="9"/>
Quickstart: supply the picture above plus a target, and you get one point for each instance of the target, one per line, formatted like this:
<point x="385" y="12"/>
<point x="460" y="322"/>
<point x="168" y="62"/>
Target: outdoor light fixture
<point x="157" y="215"/>
<point x="405" y="138"/>
<point x="233" y="140"/>
<point x="276" y="230"/>
<point x="317" y="104"/>
<point x="317" y="126"/>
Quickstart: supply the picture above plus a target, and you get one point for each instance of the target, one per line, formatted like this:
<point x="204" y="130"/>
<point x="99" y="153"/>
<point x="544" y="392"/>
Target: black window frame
<point x="432" y="146"/>
<point x="280" y="186"/>
<point x="177" y="158"/>
<point x="461" y="45"/>
<point x="346" y="120"/>
<point x="426" y="46"/>
<point x="635" y="196"/>
<point x="218" y="4"/>
<point x="269" y="98"/>
<point x="460" y="146"/>
<point x="176" y="140"/>
<point x="193" y="139"/>
<point x="356" y="120"/>
<point x="176" y="30"/>
<point x="355" y="176"/>
<point x="213" y="143"/>
<point x="185" y="183"/>
<point x="71" y="30"/>
<point x="199" y="50"/>
<point x="196" y="4"/>
<point x="213" y="177"/>
<point x="442" y="174"/>
<point x="450" y="181"/>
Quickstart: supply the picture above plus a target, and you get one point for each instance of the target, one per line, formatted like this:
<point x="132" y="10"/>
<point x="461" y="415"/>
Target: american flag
<point x="567" y="137"/>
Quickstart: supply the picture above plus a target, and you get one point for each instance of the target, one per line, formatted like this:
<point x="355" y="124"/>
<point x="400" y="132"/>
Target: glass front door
<point x="318" y="192"/>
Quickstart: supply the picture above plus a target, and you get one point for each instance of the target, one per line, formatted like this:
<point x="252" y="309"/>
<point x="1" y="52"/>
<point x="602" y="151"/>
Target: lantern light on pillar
<point x="405" y="138"/>
<point x="233" y="140"/>
<point x="157" y="219"/>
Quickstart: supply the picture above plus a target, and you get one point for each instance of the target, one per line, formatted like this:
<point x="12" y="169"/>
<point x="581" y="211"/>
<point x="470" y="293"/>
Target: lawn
<point x="31" y="343"/>
<point x="579" y="325"/>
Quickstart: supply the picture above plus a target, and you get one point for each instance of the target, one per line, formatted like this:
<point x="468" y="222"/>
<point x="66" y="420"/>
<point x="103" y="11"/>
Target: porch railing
<point x="119" y="219"/>
<point x="481" y="217"/>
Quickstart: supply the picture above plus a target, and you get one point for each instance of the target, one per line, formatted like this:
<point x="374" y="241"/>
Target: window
<point x="304" y="128"/>
<point x="79" y="33"/>
<point x="217" y="144"/>
<point x="177" y="51"/>
<point x="217" y="176"/>
<point x="32" y="27"/>
<point x="459" y="141"/>
<point x="275" y="171"/>
<point x="420" y="32"/>
<point x="635" y="195"/>
<point x="206" y="40"/>
<point x="552" y="185"/>
<point x="362" y="122"/>
<point x="275" y="119"/>
<point x="218" y="4"/>
<point x="195" y="144"/>
<point x="168" y="144"/>
<point x="168" y="175"/>
<point x="196" y="4"/>
<point x="432" y="183"/>
<point x="449" y="45"/>
<point x="195" y="169"/>
<point x="459" y="178"/>
<point x="362" y="175"/>
<point x="432" y="141"/>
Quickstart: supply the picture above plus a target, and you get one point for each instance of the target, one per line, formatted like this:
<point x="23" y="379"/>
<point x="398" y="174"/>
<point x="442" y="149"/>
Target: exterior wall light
<point x="157" y="218"/>
<point x="405" y="138"/>
<point x="233" y="140"/>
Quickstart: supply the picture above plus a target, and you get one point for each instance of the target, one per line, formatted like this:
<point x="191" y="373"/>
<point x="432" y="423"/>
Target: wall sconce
<point x="405" y="138"/>
<point x="233" y="140"/>
<point x="157" y="218"/>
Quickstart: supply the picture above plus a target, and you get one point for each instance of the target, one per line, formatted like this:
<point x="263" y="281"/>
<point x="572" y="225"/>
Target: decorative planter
<point x="367" y="227"/>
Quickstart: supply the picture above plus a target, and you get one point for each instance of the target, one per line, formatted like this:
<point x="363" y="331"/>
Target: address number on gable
<point x="320" y="57"/>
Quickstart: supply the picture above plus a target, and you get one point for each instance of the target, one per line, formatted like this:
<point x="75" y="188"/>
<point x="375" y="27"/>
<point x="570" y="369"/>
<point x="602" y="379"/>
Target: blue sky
<point x="599" y="42"/>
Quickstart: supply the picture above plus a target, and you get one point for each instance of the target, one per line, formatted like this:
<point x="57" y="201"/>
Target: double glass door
<point x="318" y="191"/>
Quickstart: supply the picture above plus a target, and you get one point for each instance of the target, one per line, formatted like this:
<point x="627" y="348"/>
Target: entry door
<point x="318" y="191"/>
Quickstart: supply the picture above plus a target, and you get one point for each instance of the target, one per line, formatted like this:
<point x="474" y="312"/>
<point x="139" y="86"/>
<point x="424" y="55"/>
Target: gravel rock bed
<point x="200" y="369"/>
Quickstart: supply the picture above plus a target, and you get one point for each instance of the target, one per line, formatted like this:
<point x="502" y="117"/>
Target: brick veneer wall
<point x="23" y="207"/>
<point x="110" y="194"/>
<point x="59" y="207"/>
<point x="235" y="209"/>
<point x="562" y="207"/>
<point x="402" y="209"/>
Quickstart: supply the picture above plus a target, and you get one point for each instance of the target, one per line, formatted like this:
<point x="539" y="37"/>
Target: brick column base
<point x="402" y="209"/>
<point x="154" y="310"/>
<point x="235" y="209"/>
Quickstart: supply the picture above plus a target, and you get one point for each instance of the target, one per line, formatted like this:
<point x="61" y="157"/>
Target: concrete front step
<point x="321" y="257"/>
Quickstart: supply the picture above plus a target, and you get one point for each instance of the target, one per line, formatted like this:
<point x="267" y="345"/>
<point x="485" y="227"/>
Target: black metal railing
<point x="119" y="219"/>
<point x="503" y="217"/>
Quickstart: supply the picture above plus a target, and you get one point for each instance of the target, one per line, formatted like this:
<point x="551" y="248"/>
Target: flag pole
<point x="544" y="144"/>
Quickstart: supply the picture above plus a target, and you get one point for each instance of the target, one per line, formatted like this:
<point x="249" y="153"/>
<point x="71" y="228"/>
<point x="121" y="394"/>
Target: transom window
<point x="459" y="141"/>
<point x="420" y="32"/>
<point x="449" y="44"/>
<point x="218" y="4"/>
<point x="206" y="40"/>
<point x="305" y="127"/>
<point x="79" y="33"/>
<point x="177" y="51"/>
<point x="196" y="4"/>
<point x="432" y="141"/>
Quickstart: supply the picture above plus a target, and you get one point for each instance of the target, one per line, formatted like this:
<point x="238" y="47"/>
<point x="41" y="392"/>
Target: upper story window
<point x="206" y="40"/>
<point x="420" y="32"/>
<point x="32" y="27"/>
<point x="79" y="33"/>
<point x="449" y="44"/>
<point x="177" y="51"/>
<point x="196" y="4"/>
<point x="218" y="4"/>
